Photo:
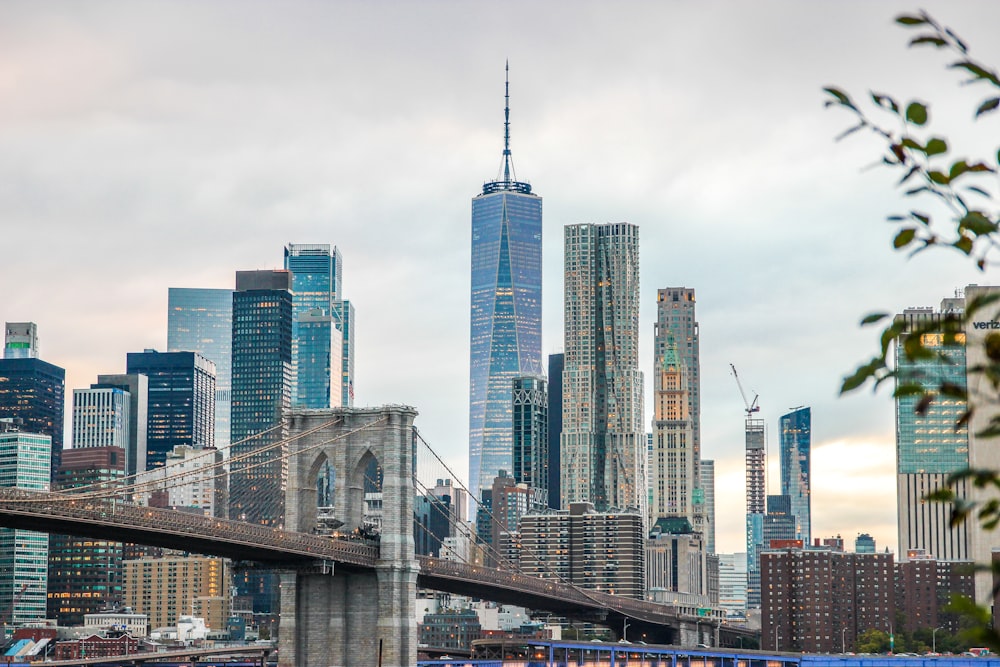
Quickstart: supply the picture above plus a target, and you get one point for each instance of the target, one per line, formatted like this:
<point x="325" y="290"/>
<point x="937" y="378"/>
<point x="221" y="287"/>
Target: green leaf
<point x="904" y="237"/>
<point x="928" y="39"/>
<point x="987" y="106"/>
<point x="976" y="70"/>
<point x="964" y="244"/>
<point x="923" y="218"/>
<point x="885" y="102"/>
<point x="872" y="318"/>
<point x="977" y="223"/>
<point x="916" y="113"/>
<point x="841" y="97"/>
<point x="936" y="146"/>
<point x="908" y="389"/>
<point x="939" y="177"/>
<point x="904" y="19"/>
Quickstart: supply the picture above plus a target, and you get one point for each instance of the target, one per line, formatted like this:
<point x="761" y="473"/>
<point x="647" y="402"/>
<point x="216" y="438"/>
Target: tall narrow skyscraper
<point x="201" y="320"/>
<point x="555" y="426"/>
<point x="676" y="320"/>
<point x="506" y="311"/>
<point x="707" y="474"/>
<point x="796" y="443"/>
<point x="317" y="341"/>
<point x="603" y="446"/>
<point x="756" y="465"/>
<point x="262" y="389"/>
<point x="674" y="471"/>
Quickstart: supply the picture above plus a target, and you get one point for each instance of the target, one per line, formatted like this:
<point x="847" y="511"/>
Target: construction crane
<point x="751" y="407"/>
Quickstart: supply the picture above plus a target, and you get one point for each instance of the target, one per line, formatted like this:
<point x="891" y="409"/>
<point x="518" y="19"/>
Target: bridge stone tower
<point x="348" y="619"/>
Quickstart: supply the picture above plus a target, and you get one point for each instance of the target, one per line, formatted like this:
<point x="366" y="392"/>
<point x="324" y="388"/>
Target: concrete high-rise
<point x="24" y="464"/>
<point x="673" y="465"/>
<point x="929" y="447"/>
<point x="317" y="339"/>
<point x="33" y="391"/>
<point x="201" y="320"/>
<point x="983" y="451"/>
<point x="756" y="464"/>
<point x="180" y="408"/>
<point x="137" y="386"/>
<point x="506" y="312"/>
<point x="796" y="443"/>
<point x="603" y="445"/>
<point x="101" y="418"/>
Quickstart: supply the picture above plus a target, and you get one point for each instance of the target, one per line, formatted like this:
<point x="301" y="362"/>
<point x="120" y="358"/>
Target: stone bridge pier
<point x="332" y="616"/>
<point x="692" y="633"/>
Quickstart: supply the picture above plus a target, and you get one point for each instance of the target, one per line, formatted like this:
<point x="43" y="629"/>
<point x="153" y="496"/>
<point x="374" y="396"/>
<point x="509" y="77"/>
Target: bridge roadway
<point x="117" y="520"/>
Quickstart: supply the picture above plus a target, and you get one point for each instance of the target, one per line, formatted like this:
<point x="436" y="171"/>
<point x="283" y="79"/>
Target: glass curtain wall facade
<point x="317" y="342"/>
<point x="506" y="318"/>
<point x="603" y="446"/>
<point x="531" y="438"/>
<point x="201" y="320"/>
<point x="34" y="391"/>
<point x="555" y="426"/>
<point x="796" y="444"/>
<point x="929" y="447"/>
<point x="25" y="463"/>
<point x="137" y="386"/>
<point x="180" y="407"/>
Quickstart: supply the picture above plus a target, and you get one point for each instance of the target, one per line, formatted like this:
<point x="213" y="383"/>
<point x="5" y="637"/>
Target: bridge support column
<point x="689" y="634"/>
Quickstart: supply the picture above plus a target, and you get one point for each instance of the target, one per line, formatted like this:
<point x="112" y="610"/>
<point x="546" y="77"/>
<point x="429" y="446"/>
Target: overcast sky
<point x="148" y="145"/>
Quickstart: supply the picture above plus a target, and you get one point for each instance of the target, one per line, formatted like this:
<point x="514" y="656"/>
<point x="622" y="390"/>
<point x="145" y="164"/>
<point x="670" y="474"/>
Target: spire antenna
<point x="506" y="123"/>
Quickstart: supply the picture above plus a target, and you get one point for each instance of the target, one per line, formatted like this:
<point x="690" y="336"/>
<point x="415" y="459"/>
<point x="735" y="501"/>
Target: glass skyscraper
<point x="262" y="391"/>
<point x="796" y="442"/>
<point x="506" y="313"/>
<point x="317" y="337"/>
<point x="201" y="320"/>
<point x="180" y="408"/>
<point x="603" y="447"/>
<point x="928" y="446"/>
<point x="34" y="391"/>
<point x="24" y="464"/>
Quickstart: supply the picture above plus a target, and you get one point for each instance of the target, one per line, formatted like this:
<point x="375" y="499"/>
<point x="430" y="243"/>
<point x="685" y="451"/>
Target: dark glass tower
<point x="506" y="309"/>
<point x="531" y="438"/>
<point x="34" y="391"/>
<point x="262" y="390"/>
<point x="262" y="384"/>
<point x="180" y="408"/>
<point x="796" y="442"/>
<point x="555" y="425"/>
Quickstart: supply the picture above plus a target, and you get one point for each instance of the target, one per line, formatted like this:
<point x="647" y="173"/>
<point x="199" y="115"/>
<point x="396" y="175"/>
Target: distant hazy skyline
<point x="169" y="144"/>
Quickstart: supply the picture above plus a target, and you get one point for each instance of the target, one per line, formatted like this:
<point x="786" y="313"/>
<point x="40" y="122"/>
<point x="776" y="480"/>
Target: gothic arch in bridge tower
<point x="346" y="618"/>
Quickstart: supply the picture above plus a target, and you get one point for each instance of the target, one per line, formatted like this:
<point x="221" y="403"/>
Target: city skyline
<point x="213" y="157"/>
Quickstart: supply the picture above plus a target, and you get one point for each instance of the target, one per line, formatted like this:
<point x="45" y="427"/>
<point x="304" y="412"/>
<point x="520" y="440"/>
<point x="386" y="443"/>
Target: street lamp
<point x="776" y="638"/>
<point x="843" y="645"/>
<point x="625" y="630"/>
<point x="934" y="640"/>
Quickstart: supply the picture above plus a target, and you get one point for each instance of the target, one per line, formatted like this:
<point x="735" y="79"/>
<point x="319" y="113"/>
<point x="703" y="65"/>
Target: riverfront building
<point x="201" y="320"/>
<point x="603" y="446"/>
<point x="601" y="551"/>
<point x="170" y="587"/>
